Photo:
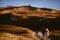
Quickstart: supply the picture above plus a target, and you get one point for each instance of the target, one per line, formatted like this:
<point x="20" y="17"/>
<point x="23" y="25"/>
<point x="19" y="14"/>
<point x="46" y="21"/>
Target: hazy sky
<point x="55" y="4"/>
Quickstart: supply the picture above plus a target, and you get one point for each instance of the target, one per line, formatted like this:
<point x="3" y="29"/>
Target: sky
<point x="54" y="4"/>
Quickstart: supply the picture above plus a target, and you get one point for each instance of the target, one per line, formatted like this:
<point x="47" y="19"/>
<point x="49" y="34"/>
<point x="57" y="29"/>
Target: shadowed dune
<point x="33" y="22"/>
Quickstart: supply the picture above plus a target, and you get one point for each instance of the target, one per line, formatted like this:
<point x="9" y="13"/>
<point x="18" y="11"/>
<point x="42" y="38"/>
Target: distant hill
<point x="28" y="11"/>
